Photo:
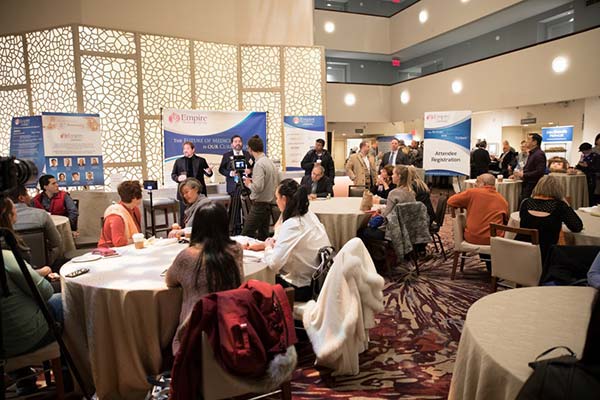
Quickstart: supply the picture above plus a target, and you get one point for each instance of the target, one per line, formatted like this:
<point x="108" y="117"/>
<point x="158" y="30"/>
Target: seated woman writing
<point x="191" y="192"/>
<point x="213" y="262"/>
<point x="293" y="251"/>
<point x="122" y="220"/>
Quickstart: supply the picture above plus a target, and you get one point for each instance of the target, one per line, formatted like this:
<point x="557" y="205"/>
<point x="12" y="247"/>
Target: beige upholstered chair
<point x="513" y="260"/>
<point x="218" y="384"/>
<point x="461" y="246"/>
<point x="50" y="353"/>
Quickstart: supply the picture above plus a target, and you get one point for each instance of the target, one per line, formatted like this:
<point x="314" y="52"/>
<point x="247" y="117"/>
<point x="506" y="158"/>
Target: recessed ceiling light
<point x="525" y="125"/>
<point x="560" y="64"/>
<point x="350" y="99"/>
<point x="550" y="123"/>
<point x="457" y="86"/>
<point x="497" y="37"/>
<point x="464" y="1"/>
<point x="328" y="4"/>
<point x="343" y="134"/>
<point x="423" y="16"/>
<point x="329" y="27"/>
<point x="362" y="65"/>
<point x="572" y="19"/>
<point x="405" y="97"/>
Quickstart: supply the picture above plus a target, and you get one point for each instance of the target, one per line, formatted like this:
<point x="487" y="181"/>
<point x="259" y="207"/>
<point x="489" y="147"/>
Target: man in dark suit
<point x="319" y="156"/>
<point x="317" y="184"/>
<point x="190" y="166"/>
<point x="227" y="168"/>
<point x="395" y="156"/>
<point x="535" y="167"/>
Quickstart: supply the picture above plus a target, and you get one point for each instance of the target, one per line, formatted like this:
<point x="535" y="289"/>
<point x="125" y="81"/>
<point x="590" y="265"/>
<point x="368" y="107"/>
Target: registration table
<point x="510" y="189"/>
<point x="505" y="331"/>
<point x="589" y="236"/>
<point x="120" y="316"/>
<point x="575" y="188"/>
<point x="64" y="229"/>
<point x="341" y="217"/>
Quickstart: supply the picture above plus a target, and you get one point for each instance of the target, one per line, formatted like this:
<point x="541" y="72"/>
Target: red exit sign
<point x="395" y="62"/>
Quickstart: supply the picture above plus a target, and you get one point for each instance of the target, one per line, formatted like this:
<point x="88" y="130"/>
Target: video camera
<point x="239" y="163"/>
<point x="15" y="172"/>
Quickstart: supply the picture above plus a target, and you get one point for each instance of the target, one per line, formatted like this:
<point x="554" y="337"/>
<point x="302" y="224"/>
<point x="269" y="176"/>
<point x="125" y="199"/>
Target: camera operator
<point x="227" y="167"/>
<point x="264" y="181"/>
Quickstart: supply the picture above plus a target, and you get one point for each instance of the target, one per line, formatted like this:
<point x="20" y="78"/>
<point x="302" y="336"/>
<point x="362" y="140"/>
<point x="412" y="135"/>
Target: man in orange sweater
<point x="484" y="206"/>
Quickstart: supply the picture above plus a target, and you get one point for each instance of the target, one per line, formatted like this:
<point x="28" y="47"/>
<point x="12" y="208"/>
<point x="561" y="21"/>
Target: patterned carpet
<point x="413" y="347"/>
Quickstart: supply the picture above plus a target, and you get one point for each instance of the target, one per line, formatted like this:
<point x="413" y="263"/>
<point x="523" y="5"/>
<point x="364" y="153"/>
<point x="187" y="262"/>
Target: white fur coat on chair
<point x="338" y="322"/>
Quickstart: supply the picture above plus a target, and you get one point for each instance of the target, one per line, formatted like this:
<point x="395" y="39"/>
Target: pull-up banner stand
<point x="447" y="143"/>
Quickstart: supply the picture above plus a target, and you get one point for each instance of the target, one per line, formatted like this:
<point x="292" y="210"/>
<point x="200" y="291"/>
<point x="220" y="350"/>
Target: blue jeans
<point x="56" y="308"/>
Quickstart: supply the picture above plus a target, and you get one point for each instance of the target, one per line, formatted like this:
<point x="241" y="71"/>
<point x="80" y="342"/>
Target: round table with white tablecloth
<point x="510" y="189"/>
<point x="120" y="316"/>
<point x="589" y="236"/>
<point x="341" y="217"/>
<point x="64" y="229"/>
<point x="505" y="331"/>
<point x="576" y="188"/>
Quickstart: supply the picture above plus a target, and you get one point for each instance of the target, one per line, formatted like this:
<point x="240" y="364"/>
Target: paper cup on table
<point x="187" y="232"/>
<point x="138" y="240"/>
<point x="500" y="178"/>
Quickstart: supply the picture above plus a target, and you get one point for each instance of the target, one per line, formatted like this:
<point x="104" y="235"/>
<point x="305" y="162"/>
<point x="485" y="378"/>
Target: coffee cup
<point x="500" y="178"/>
<point x="187" y="232"/>
<point x="138" y="240"/>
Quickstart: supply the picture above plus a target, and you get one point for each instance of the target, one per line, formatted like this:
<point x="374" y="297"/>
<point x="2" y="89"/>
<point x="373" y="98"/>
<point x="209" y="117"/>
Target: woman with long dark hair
<point x="213" y="262"/>
<point x="293" y="252"/>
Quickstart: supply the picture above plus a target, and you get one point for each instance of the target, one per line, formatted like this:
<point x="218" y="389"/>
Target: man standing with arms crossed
<point x="264" y="181"/>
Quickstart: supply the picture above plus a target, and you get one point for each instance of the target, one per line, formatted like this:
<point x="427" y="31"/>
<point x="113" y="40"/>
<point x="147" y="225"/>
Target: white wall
<point x="353" y="32"/>
<point x="372" y="103"/>
<point x="591" y="125"/>
<point x="278" y="22"/>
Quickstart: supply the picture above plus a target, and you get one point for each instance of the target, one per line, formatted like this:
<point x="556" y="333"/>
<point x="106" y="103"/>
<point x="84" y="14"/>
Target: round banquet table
<point x="575" y="188"/>
<point x="506" y="330"/>
<point x="120" y="316"/>
<point x="589" y="236"/>
<point x="341" y="217"/>
<point x="510" y="189"/>
<point x="64" y="229"/>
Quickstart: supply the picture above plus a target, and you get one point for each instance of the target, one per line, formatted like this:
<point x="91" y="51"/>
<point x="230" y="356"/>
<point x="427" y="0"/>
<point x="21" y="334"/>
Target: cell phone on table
<point x="78" y="272"/>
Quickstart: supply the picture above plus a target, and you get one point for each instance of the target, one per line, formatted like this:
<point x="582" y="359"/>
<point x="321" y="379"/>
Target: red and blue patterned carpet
<point x="413" y="347"/>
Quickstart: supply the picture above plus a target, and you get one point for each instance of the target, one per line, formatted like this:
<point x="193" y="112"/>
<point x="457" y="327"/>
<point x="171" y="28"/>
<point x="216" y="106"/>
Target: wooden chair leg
<point x="454" y="265"/>
<point x="286" y="391"/>
<point x="493" y="284"/>
<point x="462" y="262"/>
<point x="435" y="243"/>
<point x="58" y="378"/>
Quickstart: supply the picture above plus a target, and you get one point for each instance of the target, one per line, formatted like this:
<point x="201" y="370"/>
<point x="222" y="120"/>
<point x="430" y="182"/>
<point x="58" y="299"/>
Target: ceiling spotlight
<point x="423" y="16"/>
<point x="457" y="87"/>
<point x="404" y="97"/>
<point x="329" y="27"/>
<point x="560" y="64"/>
<point x="350" y="99"/>
<point x="464" y="1"/>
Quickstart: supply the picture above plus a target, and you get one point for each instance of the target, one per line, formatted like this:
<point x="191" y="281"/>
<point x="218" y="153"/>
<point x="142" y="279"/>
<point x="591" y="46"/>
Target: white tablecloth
<point x="120" y="316"/>
<point x="506" y="330"/>
<point x="575" y="188"/>
<point x="510" y="189"/>
<point x="64" y="229"/>
<point x="341" y="217"/>
<point x="589" y="236"/>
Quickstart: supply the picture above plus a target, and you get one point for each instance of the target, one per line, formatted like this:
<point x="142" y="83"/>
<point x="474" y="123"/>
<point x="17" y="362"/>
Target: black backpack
<point x="565" y="377"/>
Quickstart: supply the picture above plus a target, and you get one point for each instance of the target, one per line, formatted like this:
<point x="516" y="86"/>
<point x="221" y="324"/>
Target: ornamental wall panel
<point x="303" y="81"/>
<point x="12" y="62"/>
<point x="271" y="103"/>
<point x="216" y="76"/>
<point x="13" y="103"/>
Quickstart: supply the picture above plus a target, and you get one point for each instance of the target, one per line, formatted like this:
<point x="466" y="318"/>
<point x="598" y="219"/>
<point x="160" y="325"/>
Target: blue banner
<point x="447" y="142"/>
<point x="219" y="142"/>
<point x="557" y="134"/>
<point x="301" y="133"/>
<point x="27" y="141"/>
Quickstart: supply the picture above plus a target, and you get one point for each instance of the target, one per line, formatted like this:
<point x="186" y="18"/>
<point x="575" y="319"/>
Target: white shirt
<point x="393" y="158"/>
<point x="367" y="163"/>
<point x="297" y="243"/>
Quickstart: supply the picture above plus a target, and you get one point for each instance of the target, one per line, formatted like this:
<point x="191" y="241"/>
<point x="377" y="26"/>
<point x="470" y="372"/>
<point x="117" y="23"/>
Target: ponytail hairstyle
<point x="210" y="229"/>
<point x="297" y="199"/>
<point x="403" y="180"/>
